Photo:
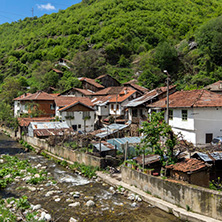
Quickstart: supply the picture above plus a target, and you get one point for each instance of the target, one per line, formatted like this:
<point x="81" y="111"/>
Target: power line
<point x="12" y="13"/>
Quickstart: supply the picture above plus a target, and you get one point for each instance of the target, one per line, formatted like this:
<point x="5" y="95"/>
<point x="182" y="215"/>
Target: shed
<point x="46" y="129"/>
<point x="192" y="171"/>
<point x="104" y="148"/>
<point x="121" y="143"/>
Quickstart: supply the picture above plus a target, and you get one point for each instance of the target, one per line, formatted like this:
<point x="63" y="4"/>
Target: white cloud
<point x="46" y="7"/>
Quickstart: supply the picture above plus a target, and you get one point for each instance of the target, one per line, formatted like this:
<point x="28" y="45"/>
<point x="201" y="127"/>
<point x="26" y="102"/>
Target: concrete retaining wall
<point x="68" y="154"/>
<point x="200" y="200"/>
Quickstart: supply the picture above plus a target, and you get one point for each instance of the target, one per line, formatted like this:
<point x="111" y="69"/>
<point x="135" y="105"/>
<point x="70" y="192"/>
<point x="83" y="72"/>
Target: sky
<point x="13" y="10"/>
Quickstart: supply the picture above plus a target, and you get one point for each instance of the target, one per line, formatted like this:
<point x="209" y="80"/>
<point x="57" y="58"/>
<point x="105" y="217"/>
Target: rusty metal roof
<point x="53" y="132"/>
<point x="148" y="96"/>
<point x="26" y="121"/>
<point x="105" y="146"/>
<point x="149" y="159"/>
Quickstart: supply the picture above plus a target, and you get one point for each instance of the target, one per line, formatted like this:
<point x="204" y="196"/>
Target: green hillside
<point x="125" y="38"/>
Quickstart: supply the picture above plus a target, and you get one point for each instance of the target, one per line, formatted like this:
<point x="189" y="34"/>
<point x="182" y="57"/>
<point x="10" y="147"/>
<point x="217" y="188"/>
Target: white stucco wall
<point x="201" y="121"/>
<point x="78" y="120"/>
<point x="19" y="108"/>
<point x="207" y="120"/>
<point x="103" y="110"/>
<point x="182" y="124"/>
<point x="115" y="111"/>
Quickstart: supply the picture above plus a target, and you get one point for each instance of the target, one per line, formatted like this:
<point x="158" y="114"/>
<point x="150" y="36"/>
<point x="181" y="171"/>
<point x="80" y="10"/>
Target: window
<point x="184" y="115"/>
<point x="117" y="106"/>
<point x="85" y="114"/>
<point x="209" y="137"/>
<point x="112" y="107"/>
<point x="141" y="113"/>
<point x="52" y="106"/>
<point x="171" y="114"/>
<point x="74" y="127"/>
<point x="134" y="112"/>
<point x="79" y="126"/>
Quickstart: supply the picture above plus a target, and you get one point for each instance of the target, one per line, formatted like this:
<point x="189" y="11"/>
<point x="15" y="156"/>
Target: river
<point x="55" y="196"/>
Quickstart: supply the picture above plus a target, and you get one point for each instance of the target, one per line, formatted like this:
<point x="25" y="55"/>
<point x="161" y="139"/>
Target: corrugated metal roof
<point x="205" y="157"/>
<point x="216" y="155"/>
<point x="49" y="125"/>
<point x="109" y="130"/>
<point x="104" y="146"/>
<point x="130" y="140"/>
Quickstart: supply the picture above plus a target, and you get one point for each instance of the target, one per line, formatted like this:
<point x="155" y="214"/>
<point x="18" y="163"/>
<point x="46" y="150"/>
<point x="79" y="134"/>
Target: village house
<point x="90" y="84"/>
<point x="110" y="101"/>
<point x="77" y="112"/>
<point x="195" y="114"/>
<point x="133" y="84"/>
<point x="107" y="81"/>
<point x="192" y="171"/>
<point x="39" y="101"/>
<point x="117" y="102"/>
<point x="136" y="109"/>
<point x="215" y="87"/>
<point x="214" y="159"/>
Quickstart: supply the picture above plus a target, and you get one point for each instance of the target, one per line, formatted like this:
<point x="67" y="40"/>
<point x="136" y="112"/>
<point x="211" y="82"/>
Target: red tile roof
<point x="39" y="96"/>
<point x="188" y="165"/>
<point x="83" y="91"/>
<point x="62" y="101"/>
<point x="110" y="91"/>
<point x="23" y="96"/>
<point x="74" y="104"/>
<point x="26" y="121"/>
<point x="57" y="71"/>
<point x="194" y="98"/>
<point x="123" y="95"/>
<point x="92" y="82"/>
<point x="134" y="85"/>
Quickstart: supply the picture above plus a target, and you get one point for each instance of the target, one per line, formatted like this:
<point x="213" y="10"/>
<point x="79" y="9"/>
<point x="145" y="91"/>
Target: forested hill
<point x="125" y="38"/>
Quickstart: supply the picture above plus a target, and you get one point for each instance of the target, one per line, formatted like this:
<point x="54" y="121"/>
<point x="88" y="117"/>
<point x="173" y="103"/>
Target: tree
<point x="89" y="64"/>
<point x="166" y="57"/>
<point x="209" y="39"/>
<point x="159" y="138"/>
<point x="10" y="90"/>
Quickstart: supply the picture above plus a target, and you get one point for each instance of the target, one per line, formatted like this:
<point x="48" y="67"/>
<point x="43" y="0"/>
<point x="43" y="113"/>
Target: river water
<point x="108" y="207"/>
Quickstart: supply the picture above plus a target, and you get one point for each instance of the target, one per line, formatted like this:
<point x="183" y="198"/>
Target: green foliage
<point x="156" y="130"/>
<point x="209" y="38"/>
<point x="12" y="167"/>
<point x="88" y="171"/>
<point x="99" y="37"/>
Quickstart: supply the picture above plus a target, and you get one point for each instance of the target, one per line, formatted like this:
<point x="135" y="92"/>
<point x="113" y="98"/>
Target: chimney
<point x="220" y="85"/>
<point x="125" y="90"/>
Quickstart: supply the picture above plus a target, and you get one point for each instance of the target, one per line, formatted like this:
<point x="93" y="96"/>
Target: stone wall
<point x="68" y="154"/>
<point x="200" y="200"/>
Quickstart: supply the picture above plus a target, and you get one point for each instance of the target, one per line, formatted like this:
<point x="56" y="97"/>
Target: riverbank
<point x="163" y="205"/>
<point x="66" y="194"/>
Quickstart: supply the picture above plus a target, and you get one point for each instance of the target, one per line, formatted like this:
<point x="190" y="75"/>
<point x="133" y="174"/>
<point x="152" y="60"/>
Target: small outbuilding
<point x="192" y="171"/>
<point x="46" y="129"/>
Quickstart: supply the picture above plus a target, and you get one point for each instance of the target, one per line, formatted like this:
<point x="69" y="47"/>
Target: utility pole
<point x="167" y="110"/>
<point x="32" y="12"/>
